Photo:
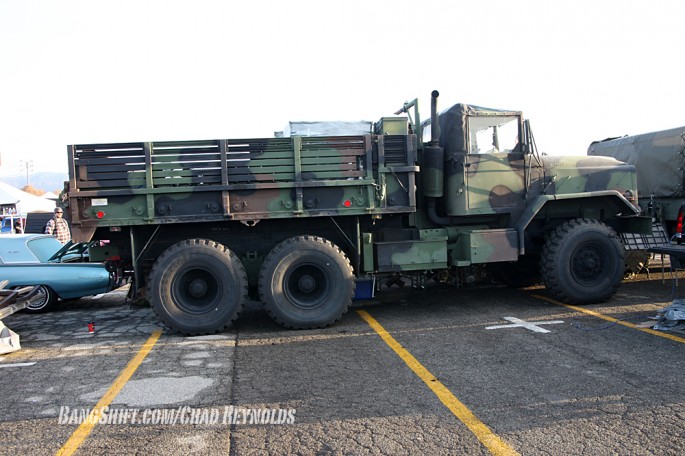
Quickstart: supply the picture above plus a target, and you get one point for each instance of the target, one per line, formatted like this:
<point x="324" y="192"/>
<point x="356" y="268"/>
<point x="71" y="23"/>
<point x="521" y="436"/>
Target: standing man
<point x="58" y="227"/>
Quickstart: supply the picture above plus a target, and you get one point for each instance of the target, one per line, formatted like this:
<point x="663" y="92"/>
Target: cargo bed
<point x="240" y="179"/>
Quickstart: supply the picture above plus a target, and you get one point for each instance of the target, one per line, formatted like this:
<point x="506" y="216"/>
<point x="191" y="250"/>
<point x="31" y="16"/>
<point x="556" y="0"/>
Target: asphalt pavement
<point x="482" y="370"/>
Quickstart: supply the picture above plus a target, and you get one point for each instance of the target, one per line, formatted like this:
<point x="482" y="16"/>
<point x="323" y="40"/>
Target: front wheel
<point x="582" y="262"/>
<point x="197" y="286"/>
<point x="306" y="282"/>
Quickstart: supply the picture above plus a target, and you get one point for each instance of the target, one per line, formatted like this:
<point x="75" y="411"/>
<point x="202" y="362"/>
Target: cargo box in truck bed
<point x="240" y="179"/>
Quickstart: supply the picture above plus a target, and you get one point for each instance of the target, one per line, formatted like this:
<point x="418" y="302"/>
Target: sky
<point x="75" y="72"/>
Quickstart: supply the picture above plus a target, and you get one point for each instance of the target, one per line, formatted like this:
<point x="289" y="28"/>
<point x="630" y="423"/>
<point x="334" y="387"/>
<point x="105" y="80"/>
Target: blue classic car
<point x="40" y="259"/>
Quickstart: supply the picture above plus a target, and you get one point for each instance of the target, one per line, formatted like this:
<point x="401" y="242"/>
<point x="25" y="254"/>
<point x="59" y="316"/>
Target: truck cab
<point x="487" y="167"/>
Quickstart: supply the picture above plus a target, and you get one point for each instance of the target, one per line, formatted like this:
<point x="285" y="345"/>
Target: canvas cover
<point x="453" y="125"/>
<point x="659" y="158"/>
<point x="327" y="128"/>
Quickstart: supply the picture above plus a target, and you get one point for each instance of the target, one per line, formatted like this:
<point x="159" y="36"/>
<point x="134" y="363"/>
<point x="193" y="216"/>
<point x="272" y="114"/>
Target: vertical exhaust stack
<point x="435" y="126"/>
<point x="432" y="168"/>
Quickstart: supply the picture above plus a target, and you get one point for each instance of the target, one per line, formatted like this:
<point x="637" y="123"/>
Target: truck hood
<point x="580" y="174"/>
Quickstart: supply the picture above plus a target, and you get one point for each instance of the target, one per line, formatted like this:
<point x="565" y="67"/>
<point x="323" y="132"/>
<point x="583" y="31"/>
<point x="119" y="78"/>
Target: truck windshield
<point x="493" y="134"/>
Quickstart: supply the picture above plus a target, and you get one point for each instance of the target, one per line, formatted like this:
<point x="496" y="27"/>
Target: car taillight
<point x="679" y="226"/>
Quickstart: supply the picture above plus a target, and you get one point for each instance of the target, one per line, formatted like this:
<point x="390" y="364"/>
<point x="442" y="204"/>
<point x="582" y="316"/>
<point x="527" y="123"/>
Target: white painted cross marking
<point x="533" y="326"/>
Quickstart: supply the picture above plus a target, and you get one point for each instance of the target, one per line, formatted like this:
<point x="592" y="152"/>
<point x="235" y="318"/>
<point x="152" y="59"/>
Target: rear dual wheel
<point x="306" y="282"/>
<point x="197" y="286"/>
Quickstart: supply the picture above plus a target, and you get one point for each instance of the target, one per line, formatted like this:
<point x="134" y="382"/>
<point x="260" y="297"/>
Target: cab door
<point x="495" y="169"/>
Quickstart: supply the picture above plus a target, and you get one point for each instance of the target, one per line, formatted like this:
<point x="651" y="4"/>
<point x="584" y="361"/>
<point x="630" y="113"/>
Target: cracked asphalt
<point x="588" y="386"/>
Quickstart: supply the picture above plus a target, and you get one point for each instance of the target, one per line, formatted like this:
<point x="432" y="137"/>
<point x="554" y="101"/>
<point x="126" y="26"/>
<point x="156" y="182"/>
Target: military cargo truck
<point x="659" y="159"/>
<point x="299" y="221"/>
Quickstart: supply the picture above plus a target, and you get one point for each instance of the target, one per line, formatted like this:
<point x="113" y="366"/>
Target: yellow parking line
<point x="84" y="429"/>
<point x="612" y="319"/>
<point x="492" y="441"/>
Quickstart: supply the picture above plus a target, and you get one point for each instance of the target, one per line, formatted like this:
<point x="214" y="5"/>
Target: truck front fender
<point x="617" y="207"/>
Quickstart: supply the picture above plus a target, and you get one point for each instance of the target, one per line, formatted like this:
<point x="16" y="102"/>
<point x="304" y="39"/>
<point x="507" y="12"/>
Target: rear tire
<point x="45" y="300"/>
<point x="306" y="282"/>
<point x="582" y="262"/>
<point x="197" y="286"/>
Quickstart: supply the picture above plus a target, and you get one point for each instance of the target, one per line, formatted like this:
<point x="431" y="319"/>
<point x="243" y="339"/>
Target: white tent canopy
<point x="50" y="195"/>
<point x="24" y="202"/>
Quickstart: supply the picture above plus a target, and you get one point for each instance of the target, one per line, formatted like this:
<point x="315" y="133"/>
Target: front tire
<point x="582" y="262"/>
<point x="306" y="282"/>
<point x="197" y="286"/>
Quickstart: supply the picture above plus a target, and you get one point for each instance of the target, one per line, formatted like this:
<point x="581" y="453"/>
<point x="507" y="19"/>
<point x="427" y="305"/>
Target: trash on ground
<point x="672" y="318"/>
<point x="9" y="340"/>
<point x="12" y="301"/>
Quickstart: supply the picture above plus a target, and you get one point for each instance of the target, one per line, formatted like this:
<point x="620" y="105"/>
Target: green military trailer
<point x="301" y="220"/>
<point x="659" y="159"/>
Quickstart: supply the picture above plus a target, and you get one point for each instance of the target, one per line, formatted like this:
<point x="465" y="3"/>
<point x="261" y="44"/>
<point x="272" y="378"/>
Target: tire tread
<point x="276" y="253"/>
<point x="188" y="243"/>
<point x="551" y="250"/>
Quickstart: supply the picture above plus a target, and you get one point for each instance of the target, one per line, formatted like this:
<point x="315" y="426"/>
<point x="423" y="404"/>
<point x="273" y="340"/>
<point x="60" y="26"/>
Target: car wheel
<point x="44" y="301"/>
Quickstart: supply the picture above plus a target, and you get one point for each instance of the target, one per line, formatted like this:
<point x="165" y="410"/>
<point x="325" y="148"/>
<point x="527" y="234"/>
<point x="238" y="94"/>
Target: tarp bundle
<point x="327" y="128"/>
<point x="672" y="317"/>
<point x="659" y="158"/>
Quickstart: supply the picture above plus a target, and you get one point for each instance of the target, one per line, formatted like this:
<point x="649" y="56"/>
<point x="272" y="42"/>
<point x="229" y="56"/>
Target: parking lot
<point x="482" y="370"/>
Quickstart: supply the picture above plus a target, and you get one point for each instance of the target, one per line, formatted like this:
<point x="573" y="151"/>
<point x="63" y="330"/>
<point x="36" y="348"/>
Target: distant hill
<point x="47" y="181"/>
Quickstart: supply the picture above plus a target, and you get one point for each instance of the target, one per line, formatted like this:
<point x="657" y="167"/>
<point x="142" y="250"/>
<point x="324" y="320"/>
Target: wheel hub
<point x="197" y="288"/>
<point x="588" y="264"/>
<point x="39" y="299"/>
<point x="306" y="284"/>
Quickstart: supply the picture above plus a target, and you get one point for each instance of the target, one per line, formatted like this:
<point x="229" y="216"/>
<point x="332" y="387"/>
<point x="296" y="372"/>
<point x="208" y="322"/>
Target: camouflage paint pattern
<point x="588" y="174"/>
<point x="359" y="193"/>
<point x="428" y="251"/>
<point x="485" y="183"/>
<point x="370" y="176"/>
<point x="486" y="246"/>
<point x="247" y="180"/>
<point x="507" y="178"/>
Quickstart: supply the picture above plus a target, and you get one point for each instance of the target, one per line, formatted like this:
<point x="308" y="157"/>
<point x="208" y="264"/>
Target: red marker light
<point x="347" y="203"/>
<point x="100" y="214"/>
